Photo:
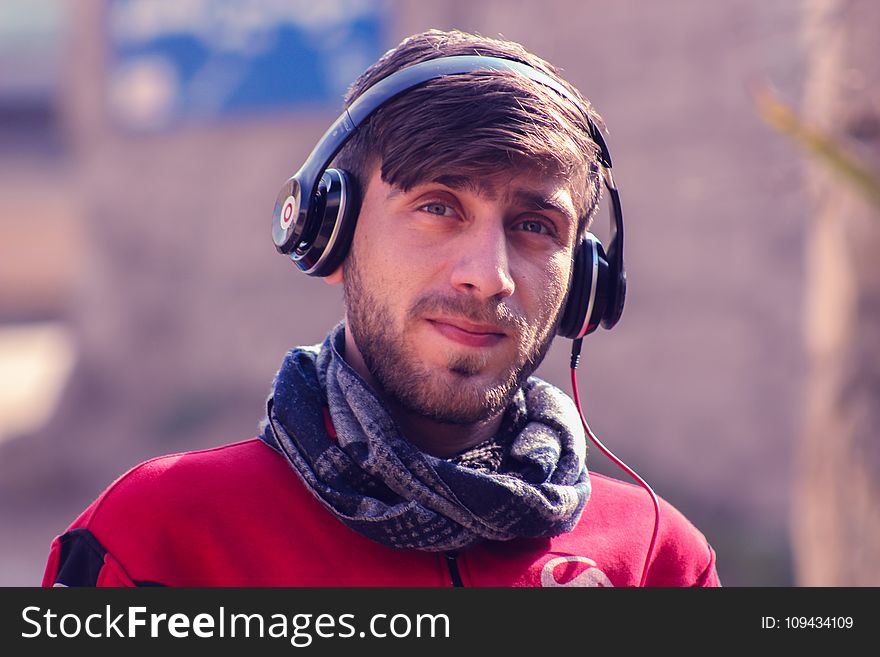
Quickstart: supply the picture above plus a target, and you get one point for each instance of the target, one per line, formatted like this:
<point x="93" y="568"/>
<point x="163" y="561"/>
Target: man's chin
<point x="464" y="415"/>
<point x="487" y="368"/>
<point x="459" y="399"/>
<point x="471" y="373"/>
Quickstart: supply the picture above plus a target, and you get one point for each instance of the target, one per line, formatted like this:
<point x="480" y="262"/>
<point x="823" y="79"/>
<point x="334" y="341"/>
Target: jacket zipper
<point x="452" y="563"/>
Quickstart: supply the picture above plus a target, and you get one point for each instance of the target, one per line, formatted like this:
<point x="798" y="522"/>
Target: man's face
<point x="453" y="292"/>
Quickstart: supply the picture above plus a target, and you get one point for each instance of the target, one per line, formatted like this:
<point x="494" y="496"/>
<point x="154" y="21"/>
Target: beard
<point x="457" y="397"/>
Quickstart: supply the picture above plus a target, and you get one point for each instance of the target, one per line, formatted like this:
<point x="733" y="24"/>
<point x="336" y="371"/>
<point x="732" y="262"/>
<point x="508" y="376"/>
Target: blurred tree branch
<point x="842" y="160"/>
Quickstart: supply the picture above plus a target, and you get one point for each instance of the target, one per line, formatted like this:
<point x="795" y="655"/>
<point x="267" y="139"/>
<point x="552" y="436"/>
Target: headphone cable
<point x="575" y="358"/>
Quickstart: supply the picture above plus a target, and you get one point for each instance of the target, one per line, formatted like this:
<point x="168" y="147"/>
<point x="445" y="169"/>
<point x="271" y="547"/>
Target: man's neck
<point x="436" y="438"/>
<point x="441" y="439"/>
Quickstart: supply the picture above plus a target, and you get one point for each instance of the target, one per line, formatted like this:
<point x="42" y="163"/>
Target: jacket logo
<point x="565" y="572"/>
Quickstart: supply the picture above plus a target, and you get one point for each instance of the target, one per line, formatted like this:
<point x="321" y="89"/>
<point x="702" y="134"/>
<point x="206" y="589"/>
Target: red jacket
<point x="239" y="516"/>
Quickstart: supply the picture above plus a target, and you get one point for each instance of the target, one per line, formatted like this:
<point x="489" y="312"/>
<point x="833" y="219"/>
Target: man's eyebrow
<point x="463" y="182"/>
<point x="453" y="182"/>
<point x="538" y="201"/>
<point x="533" y="200"/>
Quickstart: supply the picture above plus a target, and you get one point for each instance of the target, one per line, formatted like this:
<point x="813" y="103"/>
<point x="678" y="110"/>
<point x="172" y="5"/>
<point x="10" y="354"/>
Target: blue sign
<point x="185" y="60"/>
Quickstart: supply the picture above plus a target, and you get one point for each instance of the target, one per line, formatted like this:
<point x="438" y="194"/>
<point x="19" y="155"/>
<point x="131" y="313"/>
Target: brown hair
<point x="474" y="127"/>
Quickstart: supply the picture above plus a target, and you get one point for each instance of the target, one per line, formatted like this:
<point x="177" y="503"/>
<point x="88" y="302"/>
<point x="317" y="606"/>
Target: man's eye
<point x="440" y="209"/>
<point x="533" y="226"/>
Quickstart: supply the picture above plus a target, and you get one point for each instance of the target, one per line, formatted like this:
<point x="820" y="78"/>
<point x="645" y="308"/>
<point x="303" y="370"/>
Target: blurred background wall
<point x="143" y="309"/>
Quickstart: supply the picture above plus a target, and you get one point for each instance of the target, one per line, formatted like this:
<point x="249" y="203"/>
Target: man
<point x="412" y="448"/>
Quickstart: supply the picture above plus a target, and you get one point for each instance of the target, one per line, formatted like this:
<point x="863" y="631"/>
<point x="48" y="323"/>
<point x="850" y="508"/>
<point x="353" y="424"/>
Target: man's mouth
<point x="467" y="333"/>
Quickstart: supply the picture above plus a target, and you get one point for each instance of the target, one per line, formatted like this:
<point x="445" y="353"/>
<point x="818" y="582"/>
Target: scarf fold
<point x="382" y="486"/>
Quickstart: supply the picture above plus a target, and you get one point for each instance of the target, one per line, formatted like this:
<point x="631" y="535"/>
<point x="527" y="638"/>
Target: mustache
<point x="473" y="310"/>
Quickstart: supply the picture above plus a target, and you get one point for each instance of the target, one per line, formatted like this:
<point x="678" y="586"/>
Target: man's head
<point x="474" y="125"/>
<point x="474" y="188"/>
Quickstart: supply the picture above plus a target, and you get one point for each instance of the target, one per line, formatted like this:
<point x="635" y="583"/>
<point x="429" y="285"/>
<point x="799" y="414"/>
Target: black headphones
<point x="316" y="209"/>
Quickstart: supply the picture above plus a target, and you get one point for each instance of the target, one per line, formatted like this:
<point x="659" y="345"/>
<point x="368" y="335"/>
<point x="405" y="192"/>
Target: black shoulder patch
<point x="81" y="559"/>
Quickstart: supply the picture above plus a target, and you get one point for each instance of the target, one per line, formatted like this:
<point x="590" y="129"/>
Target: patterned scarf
<point x="379" y="484"/>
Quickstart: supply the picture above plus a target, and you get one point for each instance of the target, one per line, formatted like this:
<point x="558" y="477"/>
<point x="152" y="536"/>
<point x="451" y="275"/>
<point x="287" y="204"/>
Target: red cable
<point x="629" y="471"/>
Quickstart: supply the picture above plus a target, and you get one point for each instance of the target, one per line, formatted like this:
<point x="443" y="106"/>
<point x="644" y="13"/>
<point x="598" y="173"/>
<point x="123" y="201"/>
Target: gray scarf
<point x="379" y="484"/>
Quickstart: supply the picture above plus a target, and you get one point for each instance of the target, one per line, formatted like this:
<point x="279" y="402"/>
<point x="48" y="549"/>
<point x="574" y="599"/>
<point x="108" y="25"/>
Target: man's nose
<point x="482" y="264"/>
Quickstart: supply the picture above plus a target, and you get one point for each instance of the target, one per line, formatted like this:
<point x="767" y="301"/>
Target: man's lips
<point x="467" y="333"/>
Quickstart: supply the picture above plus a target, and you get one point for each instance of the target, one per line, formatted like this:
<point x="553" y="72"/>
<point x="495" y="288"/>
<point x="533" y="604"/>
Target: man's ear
<point x="335" y="278"/>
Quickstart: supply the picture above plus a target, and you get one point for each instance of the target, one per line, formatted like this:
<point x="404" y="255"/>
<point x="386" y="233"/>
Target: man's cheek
<point x="557" y="286"/>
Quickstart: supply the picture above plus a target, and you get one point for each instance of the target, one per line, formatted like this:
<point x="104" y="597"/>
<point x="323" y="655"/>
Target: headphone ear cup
<point x="588" y="291"/>
<point x="576" y="303"/>
<point x="615" y="307"/>
<point x="287" y="223"/>
<point x="330" y="225"/>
